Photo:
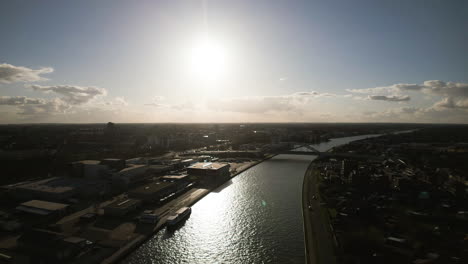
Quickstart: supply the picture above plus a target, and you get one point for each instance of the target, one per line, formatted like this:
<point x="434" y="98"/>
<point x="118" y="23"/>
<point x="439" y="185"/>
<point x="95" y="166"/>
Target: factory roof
<point x="74" y="240"/>
<point x="51" y="185"/>
<point x="159" y="167"/>
<point x="208" y="165"/>
<point x="88" y="162"/>
<point x="133" y="167"/>
<point x="174" y="177"/>
<point x="112" y="159"/>
<point x="123" y="203"/>
<point x="41" y="207"/>
<point x="151" y="188"/>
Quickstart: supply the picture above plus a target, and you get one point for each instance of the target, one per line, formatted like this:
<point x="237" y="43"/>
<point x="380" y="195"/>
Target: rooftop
<point x="123" y="203"/>
<point x="40" y="207"/>
<point x="174" y="177"/>
<point x="151" y="188"/>
<point x="112" y="159"/>
<point x="208" y="166"/>
<point x="88" y="162"/>
<point x="52" y="185"/>
<point x="133" y="167"/>
<point x="74" y="240"/>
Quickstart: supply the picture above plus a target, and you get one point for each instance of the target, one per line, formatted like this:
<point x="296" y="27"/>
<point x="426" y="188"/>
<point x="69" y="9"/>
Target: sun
<point x="208" y="59"/>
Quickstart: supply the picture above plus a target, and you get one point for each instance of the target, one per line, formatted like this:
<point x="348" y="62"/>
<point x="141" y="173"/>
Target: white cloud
<point x="395" y="88"/>
<point x="10" y="73"/>
<point x="117" y="101"/>
<point x="51" y="107"/>
<point x="157" y="102"/>
<point x="450" y="102"/>
<point x="450" y="89"/>
<point x="390" y="98"/>
<point x="72" y="94"/>
<point x="19" y="100"/>
<point x="439" y="113"/>
<point x="264" y="104"/>
<point x="431" y="87"/>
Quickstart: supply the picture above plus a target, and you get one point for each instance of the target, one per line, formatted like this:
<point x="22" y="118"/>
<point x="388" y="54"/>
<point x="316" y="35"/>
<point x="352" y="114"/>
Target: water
<point x="255" y="218"/>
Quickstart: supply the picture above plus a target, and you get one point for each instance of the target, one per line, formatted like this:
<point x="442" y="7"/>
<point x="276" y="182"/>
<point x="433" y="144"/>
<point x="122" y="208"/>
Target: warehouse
<point x="155" y="191"/>
<point x="121" y="207"/>
<point x="42" y="208"/>
<point x="210" y="174"/>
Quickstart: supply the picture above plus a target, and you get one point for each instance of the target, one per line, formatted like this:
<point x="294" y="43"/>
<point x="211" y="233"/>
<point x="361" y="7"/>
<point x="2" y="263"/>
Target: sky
<point x="233" y="61"/>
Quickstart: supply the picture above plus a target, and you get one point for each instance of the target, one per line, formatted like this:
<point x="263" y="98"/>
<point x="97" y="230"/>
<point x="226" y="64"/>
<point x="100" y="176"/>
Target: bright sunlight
<point x="208" y="59"/>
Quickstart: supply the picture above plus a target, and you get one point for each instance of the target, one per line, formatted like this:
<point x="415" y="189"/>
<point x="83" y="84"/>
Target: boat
<point x="181" y="214"/>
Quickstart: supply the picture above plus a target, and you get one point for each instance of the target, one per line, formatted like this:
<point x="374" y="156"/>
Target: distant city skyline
<point x="234" y="61"/>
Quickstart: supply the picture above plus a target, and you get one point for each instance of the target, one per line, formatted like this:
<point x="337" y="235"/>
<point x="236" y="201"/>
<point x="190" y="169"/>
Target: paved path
<point x="319" y="240"/>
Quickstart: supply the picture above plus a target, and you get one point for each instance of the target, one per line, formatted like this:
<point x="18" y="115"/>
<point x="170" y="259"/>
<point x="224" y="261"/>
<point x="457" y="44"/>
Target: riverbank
<point x="188" y="199"/>
<point x="318" y="236"/>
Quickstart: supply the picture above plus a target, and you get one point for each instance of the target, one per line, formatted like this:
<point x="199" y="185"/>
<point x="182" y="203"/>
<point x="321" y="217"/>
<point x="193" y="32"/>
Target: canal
<point x="254" y="218"/>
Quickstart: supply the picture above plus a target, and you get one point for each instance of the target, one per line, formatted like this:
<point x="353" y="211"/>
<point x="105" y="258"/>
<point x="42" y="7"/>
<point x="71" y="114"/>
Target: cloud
<point x="450" y="89"/>
<point x="19" y="100"/>
<point x="45" y="108"/>
<point x="434" y="87"/>
<point x="71" y="94"/>
<point x="157" y="102"/>
<point x="449" y="102"/>
<point x="395" y="88"/>
<point x="253" y="104"/>
<point x="312" y="94"/>
<point x="264" y="104"/>
<point x="117" y="101"/>
<point x="10" y="73"/>
<point x="401" y="114"/>
<point x="390" y="98"/>
<point x="453" y="95"/>
<point x="442" y="112"/>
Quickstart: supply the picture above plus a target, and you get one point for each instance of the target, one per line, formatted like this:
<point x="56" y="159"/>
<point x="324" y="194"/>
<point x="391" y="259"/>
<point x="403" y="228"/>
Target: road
<point x="319" y="240"/>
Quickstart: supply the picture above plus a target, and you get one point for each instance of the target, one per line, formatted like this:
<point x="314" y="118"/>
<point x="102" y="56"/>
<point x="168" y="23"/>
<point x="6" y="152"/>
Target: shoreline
<point x="132" y="245"/>
<point x="316" y="222"/>
<point x="308" y="256"/>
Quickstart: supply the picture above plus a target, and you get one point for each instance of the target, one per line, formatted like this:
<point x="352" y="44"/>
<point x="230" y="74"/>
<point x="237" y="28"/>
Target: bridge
<point x="294" y="148"/>
<point x="306" y="150"/>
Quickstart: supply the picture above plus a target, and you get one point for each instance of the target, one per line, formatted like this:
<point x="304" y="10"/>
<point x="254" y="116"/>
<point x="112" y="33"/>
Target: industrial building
<point x="155" y="191"/>
<point x="122" y="207"/>
<point x="90" y="169"/>
<point x="137" y="173"/>
<point x="187" y="162"/>
<point x="42" y="208"/>
<point x="57" y="189"/>
<point x="175" y="178"/>
<point x="52" y="189"/>
<point x="114" y="164"/>
<point x="210" y="174"/>
<point x="160" y="169"/>
<point x="50" y="247"/>
<point x="131" y="174"/>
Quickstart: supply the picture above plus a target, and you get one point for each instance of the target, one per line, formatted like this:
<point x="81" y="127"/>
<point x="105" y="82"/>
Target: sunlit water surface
<point x="254" y="218"/>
